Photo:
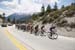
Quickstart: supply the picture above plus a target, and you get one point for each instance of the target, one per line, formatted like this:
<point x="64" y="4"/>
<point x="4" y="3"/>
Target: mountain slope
<point x="19" y="16"/>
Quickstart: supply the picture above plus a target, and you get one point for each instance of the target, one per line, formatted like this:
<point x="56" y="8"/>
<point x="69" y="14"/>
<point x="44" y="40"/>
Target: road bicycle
<point x="53" y="36"/>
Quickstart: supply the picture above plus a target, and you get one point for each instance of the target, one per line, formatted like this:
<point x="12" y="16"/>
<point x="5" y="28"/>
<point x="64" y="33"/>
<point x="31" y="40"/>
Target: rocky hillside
<point x="61" y="17"/>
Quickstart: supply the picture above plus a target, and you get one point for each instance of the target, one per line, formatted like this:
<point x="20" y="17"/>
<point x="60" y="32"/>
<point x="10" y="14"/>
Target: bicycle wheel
<point x="54" y="36"/>
<point x="49" y="36"/>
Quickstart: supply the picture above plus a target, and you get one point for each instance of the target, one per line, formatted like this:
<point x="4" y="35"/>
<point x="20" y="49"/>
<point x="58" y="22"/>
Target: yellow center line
<point x="14" y="41"/>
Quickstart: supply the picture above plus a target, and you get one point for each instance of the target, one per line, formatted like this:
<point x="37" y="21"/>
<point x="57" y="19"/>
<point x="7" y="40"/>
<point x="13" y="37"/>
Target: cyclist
<point x="52" y="30"/>
<point x="36" y="29"/>
<point x="31" y="29"/>
<point x="28" y="27"/>
<point x="42" y="29"/>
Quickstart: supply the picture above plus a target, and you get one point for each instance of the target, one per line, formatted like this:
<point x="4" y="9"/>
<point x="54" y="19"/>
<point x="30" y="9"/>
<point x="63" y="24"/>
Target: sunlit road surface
<point x="5" y="43"/>
<point x="13" y="39"/>
<point x="8" y="42"/>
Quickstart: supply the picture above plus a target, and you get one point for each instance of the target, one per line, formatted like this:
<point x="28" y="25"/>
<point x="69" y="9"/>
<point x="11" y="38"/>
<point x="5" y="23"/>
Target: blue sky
<point x="65" y="2"/>
<point x="28" y="6"/>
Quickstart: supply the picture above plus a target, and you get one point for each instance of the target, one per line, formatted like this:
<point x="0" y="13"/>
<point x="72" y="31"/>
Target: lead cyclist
<point x="52" y="29"/>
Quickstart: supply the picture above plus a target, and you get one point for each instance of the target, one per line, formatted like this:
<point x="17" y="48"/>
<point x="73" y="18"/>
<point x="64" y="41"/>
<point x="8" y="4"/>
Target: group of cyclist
<point x="42" y="29"/>
<point x="31" y="28"/>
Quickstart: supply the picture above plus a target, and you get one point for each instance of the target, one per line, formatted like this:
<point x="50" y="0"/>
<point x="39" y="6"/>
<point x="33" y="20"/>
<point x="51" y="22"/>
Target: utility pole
<point x="3" y="17"/>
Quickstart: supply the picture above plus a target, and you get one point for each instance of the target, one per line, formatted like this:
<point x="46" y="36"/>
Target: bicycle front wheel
<point x="54" y="36"/>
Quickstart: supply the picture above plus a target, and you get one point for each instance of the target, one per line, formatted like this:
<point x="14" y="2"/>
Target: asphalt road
<point x="8" y="41"/>
<point x="43" y="43"/>
<point x="32" y="42"/>
<point x="5" y="43"/>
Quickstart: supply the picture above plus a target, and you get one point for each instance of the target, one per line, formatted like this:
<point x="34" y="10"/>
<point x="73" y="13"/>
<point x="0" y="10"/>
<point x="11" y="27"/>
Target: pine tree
<point x="62" y="7"/>
<point x="55" y="6"/>
<point x="48" y="9"/>
<point x="42" y="10"/>
<point x="73" y="4"/>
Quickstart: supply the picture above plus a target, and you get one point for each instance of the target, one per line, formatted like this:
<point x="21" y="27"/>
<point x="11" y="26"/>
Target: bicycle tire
<point x="54" y="36"/>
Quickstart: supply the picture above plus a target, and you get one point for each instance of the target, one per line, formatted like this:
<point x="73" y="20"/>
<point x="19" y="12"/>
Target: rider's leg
<point x="36" y="31"/>
<point x="51" y="33"/>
